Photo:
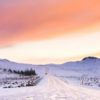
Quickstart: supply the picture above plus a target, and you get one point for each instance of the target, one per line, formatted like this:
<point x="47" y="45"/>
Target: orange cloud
<point x="33" y="20"/>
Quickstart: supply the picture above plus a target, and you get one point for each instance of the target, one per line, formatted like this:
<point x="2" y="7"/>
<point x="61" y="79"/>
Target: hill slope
<point x="88" y="66"/>
<point x="6" y="64"/>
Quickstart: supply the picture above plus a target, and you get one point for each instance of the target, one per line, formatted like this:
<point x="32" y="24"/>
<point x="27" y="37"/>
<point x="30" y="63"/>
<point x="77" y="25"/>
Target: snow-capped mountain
<point x="6" y="64"/>
<point x="88" y="62"/>
<point x="88" y="66"/>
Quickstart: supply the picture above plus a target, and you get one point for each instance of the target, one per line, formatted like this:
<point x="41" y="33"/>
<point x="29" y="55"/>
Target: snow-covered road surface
<point x="51" y="88"/>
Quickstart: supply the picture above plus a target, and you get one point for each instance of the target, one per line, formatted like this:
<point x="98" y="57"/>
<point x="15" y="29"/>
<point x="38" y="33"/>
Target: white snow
<point x="18" y="66"/>
<point x="62" y="82"/>
<point x="54" y="89"/>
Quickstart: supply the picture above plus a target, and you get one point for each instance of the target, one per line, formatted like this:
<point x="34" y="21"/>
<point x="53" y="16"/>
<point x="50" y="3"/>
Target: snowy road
<point x="51" y="88"/>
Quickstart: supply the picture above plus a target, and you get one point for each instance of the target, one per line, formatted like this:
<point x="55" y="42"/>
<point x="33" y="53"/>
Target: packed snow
<point x="51" y="88"/>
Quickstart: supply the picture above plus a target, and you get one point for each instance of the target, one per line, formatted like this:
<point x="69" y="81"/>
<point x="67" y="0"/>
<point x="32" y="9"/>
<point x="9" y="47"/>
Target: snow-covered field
<point x="13" y="75"/>
<point x="70" y="81"/>
<point x="50" y="88"/>
<point x="85" y="73"/>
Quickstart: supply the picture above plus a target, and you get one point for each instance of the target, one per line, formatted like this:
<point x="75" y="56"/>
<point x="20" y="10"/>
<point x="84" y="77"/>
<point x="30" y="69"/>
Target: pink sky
<point x="35" y="24"/>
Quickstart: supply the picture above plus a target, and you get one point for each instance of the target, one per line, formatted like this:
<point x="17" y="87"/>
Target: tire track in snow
<point x="55" y="89"/>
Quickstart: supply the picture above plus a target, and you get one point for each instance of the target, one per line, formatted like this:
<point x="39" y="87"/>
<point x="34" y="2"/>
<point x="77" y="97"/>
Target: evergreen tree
<point x="10" y="70"/>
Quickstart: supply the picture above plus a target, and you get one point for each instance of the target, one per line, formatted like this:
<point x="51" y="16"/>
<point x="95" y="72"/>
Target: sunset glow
<point x="49" y="31"/>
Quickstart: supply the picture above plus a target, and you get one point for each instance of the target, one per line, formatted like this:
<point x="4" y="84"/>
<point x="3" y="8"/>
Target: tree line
<point x="27" y="72"/>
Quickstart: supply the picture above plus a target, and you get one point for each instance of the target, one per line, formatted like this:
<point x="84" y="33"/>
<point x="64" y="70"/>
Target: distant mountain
<point x="88" y="65"/>
<point x="91" y="58"/>
<point x="6" y="64"/>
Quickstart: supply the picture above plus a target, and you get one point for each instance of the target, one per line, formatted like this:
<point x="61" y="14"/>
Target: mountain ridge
<point x="84" y="59"/>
